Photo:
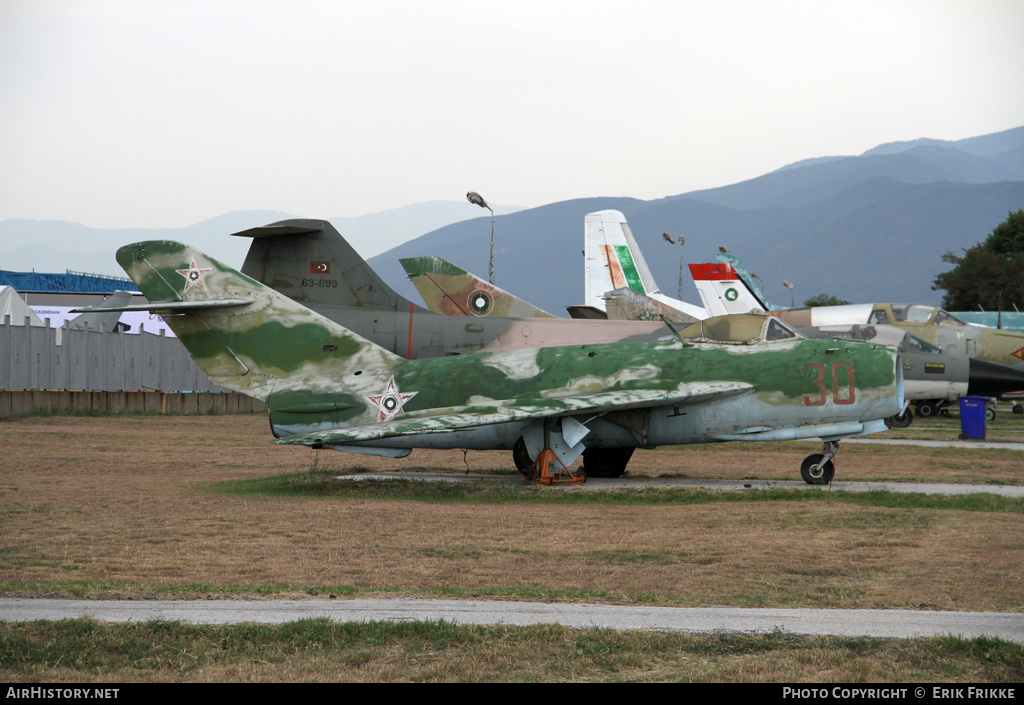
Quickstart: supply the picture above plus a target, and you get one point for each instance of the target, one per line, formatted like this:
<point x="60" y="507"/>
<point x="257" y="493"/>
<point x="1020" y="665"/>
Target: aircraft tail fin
<point x="723" y="290"/>
<point x="612" y="259"/>
<point x="103" y="320"/>
<point x="726" y="257"/>
<point x="452" y="291"/>
<point x="244" y="335"/>
<point x="309" y="261"/>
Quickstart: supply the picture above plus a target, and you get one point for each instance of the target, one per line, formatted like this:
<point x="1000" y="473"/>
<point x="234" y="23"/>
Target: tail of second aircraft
<point x="452" y="291"/>
<point x="309" y="261"/>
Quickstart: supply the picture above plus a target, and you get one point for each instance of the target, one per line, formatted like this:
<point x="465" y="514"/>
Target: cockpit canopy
<point x="881" y="334"/>
<point x="915" y="313"/>
<point x="739" y="329"/>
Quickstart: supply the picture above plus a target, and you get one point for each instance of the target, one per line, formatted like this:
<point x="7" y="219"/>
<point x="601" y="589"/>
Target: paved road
<point x="627" y="482"/>
<point x="986" y="445"/>
<point x="872" y="623"/>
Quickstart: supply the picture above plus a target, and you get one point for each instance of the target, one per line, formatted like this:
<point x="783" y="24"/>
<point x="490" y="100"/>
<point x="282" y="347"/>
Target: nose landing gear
<point x="819" y="468"/>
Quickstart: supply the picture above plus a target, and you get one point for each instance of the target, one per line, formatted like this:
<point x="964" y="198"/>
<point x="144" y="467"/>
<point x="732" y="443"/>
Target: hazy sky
<point x="145" y="113"/>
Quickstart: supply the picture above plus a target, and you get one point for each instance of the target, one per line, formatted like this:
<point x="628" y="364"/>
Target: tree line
<point x="989" y="275"/>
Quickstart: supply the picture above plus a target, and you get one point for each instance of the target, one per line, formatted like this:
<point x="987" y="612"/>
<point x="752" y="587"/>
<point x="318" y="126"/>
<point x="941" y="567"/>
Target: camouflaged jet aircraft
<point x="731" y="378"/>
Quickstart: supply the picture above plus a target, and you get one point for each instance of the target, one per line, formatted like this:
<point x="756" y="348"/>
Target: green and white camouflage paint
<point x="732" y="378"/>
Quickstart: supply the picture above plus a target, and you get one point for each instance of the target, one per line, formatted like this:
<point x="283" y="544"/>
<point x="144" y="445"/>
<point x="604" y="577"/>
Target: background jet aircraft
<point x="310" y="262"/>
<point x="731" y="378"/>
<point x="726" y="287"/>
<point x="447" y="289"/>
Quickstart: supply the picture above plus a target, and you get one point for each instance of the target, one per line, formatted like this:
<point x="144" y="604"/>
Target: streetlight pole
<point x="682" y="240"/>
<point x="792" y="297"/>
<point x="476" y="198"/>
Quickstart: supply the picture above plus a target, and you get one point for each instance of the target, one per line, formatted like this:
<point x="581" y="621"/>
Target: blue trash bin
<point x="972" y="418"/>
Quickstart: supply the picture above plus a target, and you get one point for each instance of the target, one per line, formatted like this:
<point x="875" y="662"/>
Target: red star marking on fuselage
<point x="194" y="275"/>
<point x="391" y="401"/>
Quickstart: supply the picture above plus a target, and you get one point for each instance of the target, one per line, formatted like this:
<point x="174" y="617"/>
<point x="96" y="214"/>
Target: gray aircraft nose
<point x="989" y="379"/>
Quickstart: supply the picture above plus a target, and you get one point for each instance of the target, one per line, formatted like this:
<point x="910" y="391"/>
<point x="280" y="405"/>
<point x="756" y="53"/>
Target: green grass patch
<point x="321" y="650"/>
<point x="324" y="484"/>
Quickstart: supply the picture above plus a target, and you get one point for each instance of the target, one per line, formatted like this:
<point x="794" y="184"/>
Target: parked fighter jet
<point x="310" y="262"/>
<point x="730" y="378"/>
<point x="726" y="287"/>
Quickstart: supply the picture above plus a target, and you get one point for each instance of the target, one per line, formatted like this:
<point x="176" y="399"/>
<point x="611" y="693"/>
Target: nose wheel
<point x="818" y="469"/>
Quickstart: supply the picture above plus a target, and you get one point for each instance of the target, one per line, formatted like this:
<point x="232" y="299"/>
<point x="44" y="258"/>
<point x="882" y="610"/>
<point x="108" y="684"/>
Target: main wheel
<point x="927" y="408"/>
<point x="990" y="414"/>
<point x="900" y="420"/>
<point x="606" y="462"/>
<point x="521" y="458"/>
<point x="815" y="472"/>
<point x="1018" y="409"/>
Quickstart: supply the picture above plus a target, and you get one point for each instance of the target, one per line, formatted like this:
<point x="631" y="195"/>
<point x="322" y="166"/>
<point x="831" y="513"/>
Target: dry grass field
<point x="123" y="507"/>
<point x="193" y="507"/>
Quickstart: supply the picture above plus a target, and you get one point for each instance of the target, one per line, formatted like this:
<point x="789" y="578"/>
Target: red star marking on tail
<point x="391" y="401"/>
<point x="194" y="275"/>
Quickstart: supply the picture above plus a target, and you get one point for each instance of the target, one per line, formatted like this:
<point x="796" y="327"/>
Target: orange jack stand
<point x="540" y="471"/>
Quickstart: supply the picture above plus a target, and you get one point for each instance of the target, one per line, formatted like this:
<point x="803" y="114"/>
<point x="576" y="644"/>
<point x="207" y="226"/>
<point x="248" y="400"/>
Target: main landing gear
<point x="597" y="462"/>
<point x="546" y="469"/>
<point x="606" y="462"/>
<point x="819" y="468"/>
<point x="901" y="420"/>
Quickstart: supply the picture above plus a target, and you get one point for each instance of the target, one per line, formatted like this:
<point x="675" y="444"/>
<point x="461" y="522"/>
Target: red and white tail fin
<point x="722" y="291"/>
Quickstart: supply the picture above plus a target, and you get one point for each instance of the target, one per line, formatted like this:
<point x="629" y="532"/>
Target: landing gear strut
<point x="540" y="469"/>
<point x="818" y="469"/>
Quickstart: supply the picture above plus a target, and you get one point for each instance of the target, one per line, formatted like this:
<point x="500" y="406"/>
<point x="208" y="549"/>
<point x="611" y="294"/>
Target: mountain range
<point x="55" y="246"/>
<point x="871" y="227"/>
<point x="863" y="228"/>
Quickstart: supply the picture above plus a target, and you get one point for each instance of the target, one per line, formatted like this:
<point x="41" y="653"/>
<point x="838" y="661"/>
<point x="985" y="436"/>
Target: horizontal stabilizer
<point x="276" y="230"/>
<point x="169" y="306"/>
<point x="470" y="417"/>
